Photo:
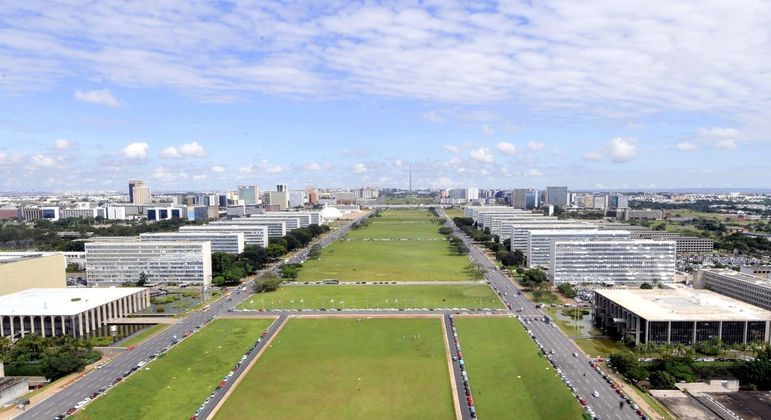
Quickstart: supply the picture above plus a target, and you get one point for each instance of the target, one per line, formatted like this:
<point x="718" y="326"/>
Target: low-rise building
<point x="684" y="316"/>
<point x="631" y="261"/>
<point x="757" y="270"/>
<point x="276" y="228"/>
<point x="12" y="388"/>
<point x="169" y="262"/>
<point x="24" y="270"/>
<point x="77" y="312"/>
<point x="253" y="234"/>
<point x="748" y="288"/>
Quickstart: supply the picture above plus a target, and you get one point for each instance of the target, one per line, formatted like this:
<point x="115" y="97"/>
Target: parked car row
<point x="228" y="376"/>
<point x="617" y="389"/>
<point x="459" y="359"/>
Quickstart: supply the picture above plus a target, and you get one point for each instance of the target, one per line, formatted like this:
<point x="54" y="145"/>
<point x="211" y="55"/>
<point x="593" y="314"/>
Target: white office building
<point x="485" y="218"/>
<point x="539" y="242"/>
<point x="305" y="219"/>
<point x="253" y="234"/>
<point x="518" y="231"/>
<point x="276" y="229"/>
<point x="500" y="224"/>
<point x="173" y="262"/>
<point x="749" y="288"/>
<point x="292" y="222"/>
<point x="230" y="242"/>
<point x="617" y="261"/>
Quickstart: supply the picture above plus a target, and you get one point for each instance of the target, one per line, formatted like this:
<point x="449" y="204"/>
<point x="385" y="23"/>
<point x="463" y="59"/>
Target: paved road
<point x="460" y="381"/>
<point x="63" y="400"/>
<point x="606" y="406"/>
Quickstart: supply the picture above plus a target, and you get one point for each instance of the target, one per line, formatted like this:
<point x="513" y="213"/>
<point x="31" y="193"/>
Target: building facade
<point x="539" y="241"/>
<point x="229" y="242"/>
<point x="253" y="234"/>
<point x="633" y="261"/>
<point x="24" y="270"/>
<point x="557" y="196"/>
<point x="139" y="193"/>
<point x="169" y="262"/>
<point x="747" y="288"/>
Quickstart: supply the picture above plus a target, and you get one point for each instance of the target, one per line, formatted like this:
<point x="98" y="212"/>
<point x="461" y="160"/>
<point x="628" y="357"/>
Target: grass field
<point x="374" y="297"/>
<point x="509" y="378"/>
<point x="454" y="212"/>
<point x="348" y="368"/>
<point x="176" y="384"/>
<point x="423" y="256"/>
<point x="599" y="347"/>
<point x="144" y="335"/>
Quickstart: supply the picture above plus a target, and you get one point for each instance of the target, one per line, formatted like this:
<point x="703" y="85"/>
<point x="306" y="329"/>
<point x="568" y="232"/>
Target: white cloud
<point x="186" y="150"/>
<point x="719" y="132"/>
<point x="398" y="162"/>
<point x="507" y="148"/>
<point x="248" y="169"/>
<point x="199" y="177"/>
<point x="622" y="149"/>
<point x="687" y="146"/>
<point x="270" y="168"/>
<point x="487" y="129"/>
<point x="482" y="155"/>
<point x="136" y="150"/>
<point x="359" y="168"/>
<point x="101" y="97"/>
<point x="594" y="155"/>
<point x="42" y="161"/>
<point x="726" y="144"/>
<point x="533" y="172"/>
<point x="313" y="166"/>
<point x="452" y="148"/>
<point x="63" y="144"/>
<point x="535" y="146"/>
<point x="218" y="169"/>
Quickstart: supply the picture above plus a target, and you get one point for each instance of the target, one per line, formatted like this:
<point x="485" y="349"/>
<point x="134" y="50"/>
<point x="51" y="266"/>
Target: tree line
<point x="52" y="357"/>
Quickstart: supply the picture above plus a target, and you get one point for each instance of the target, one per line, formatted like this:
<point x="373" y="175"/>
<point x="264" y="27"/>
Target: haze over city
<point x="633" y="95"/>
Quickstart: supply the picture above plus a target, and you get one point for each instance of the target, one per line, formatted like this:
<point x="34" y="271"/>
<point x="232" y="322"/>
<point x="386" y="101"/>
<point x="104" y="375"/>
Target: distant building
<point x="297" y="199"/>
<point x="250" y="194"/>
<point x="253" y="234"/>
<point x="344" y="197"/>
<point x="279" y="198"/>
<point x="632" y="261"/>
<point x="557" y="196"/>
<point x="229" y="242"/>
<point x="525" y="199"/>
<point x="276" y="228"/>
<point x="752" y="289"/>
<point x="164" y="213"/>
<point x="694" y="245"/>
<point x="24" y="270"/>
<point x="76" y="312"/>
<point x="684" y="316"/>
<point x="630" y="214"/>
<point x="618" y="201"/>
<point x="170" y="262"/>
<point x="539" y="242"/>
<point x="757" y="270"/>
<point x="78" y="213"/>
<point x="37" y="213"/>
<point x="139" y="193"/>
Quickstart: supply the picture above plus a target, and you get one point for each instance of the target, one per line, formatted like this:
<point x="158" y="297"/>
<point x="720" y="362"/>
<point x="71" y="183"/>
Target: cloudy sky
<point x="591" y="94"/>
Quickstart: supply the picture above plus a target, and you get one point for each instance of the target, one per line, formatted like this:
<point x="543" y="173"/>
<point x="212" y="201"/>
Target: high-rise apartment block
<point x="139" y="193"/>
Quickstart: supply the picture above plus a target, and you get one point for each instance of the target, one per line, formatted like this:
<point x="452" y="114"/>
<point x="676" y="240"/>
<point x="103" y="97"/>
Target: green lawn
<point x="348" y="368"/>
<point x="144" y="335"/>
<point x="508" y="376"/>
<point x="173" y="386"/>
<point x="454" y="212"/>
<point x="599" y="347"/>
<point x="373" y="297"/>
<point x="398" y="230"/>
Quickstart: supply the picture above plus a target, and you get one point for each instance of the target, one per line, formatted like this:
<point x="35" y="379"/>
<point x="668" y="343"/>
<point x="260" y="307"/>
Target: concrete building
<point x="305" y="218"/>
<point x="11" y="388"/>
<point x="684" y="316"/>
<point x="516" y="231"/>
<point x="24" y="270"/>
<point x="229" y="242"/>
<point x="484" y="219"/>
<point x="757" y="270"/>
<point x="164" y="213"/>
<point x="618" y="201"/>
<point x="253" y="234"/>
<point x="292" y="221"/>
<point x="77" y="258"/>
<point x="297" y="199"/>
<point x="525" y="199"/>
<point x="630" y="214"/>
<point x="78" y="213"/>
<point x="249" y="194"/>
<point x="632" y="261"/>
<point x="77" y="312"/>
<point x="279" y="198"/>
<point x="276" y="229"/>
<point x="557" y="196"/>
<point x="171" y="262"/>
<point x="748" y="288"/>
<point x="694" y="245"/>
<point x="139" y="193"/>
<point x="499" y="221"/>
<point x="37" y="213"/>
<point x="539" y="242"/>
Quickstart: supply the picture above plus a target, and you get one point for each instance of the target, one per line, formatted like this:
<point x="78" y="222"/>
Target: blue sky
<point x="594" y="94"/>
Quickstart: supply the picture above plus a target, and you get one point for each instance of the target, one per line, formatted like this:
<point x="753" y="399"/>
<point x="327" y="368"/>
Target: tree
<point x="445" y="230"/>
<point x="567" y="290"/>
<point x="624" y="361"/>
<point x="662" y="380"/>
<point x="315" y="251"/>
<point x="477" y="271"/>
<point x="267" y="283"/>
<point x="646" y="286"/>
<point x="255" y="255"/>
<point x="276" y="250"/>
<point x="142" y="279"/>
<point x="507" y="243"/>
<point x="72" y="268"/>
<point x="757" y="373"/>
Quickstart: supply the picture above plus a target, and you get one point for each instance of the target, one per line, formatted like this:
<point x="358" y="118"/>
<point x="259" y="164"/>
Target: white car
<point x="596" y="394"/>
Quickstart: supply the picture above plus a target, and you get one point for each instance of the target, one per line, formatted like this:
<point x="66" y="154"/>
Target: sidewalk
<point x="633" y="394"/>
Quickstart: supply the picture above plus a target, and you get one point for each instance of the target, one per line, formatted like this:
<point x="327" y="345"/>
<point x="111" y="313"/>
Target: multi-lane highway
<point x="63" y="400"/>
<point x="576" y="368"/>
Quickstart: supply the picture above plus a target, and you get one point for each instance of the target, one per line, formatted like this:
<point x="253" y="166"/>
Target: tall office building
<point x="618" y="201"/>
<point x="250" y="194"/>
<point x="616" y="261"/>
<point x="282" y="188"/>
<point x="139" y="193"/>
<point x="539" y="242"/>
<point x="557" y="196"/>
<point x="279" y="198"/>
<point x="523" y="198"/>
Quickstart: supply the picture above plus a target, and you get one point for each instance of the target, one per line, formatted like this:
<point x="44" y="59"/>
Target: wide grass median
<point x="173" y="386"/>
<point x="375" y="297"/>
<point x="509" y="378"/>
<point x="346" y="368"/>
<point x="399" y="245"/>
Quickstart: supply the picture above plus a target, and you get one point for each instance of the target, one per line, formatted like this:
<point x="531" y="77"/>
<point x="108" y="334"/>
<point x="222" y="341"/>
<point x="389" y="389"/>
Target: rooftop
<point x="592" y="231"/>
<point x="9" y="257"/>
<point x="747" y="278"/>
<point x="65" y="301"/>
<point x="684" y="305"/>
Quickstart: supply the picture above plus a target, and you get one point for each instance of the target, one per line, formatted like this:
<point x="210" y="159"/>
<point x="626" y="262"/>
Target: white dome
<point x="330" y="213"/>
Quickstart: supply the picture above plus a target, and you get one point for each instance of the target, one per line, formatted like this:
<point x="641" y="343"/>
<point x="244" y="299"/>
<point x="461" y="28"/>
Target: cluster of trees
<point x="467" y="225"/>
<point x="228" y="269"/>
<point x="567" y="290"/>
<point x="743" y="244"/>
<point x="290" y="271"/>
<point x="456" y="243"/>
<point x="665" y="372"/>
<point x="267" y="283"/>
<point x="491" y="242"/>
<point x="533" y="278"/>
<point x="52" y="357"/>
<point x="43" y="235"/>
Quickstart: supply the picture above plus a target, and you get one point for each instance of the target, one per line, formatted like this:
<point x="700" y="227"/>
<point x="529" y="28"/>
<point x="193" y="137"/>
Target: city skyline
<point x="501" y="95"/>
